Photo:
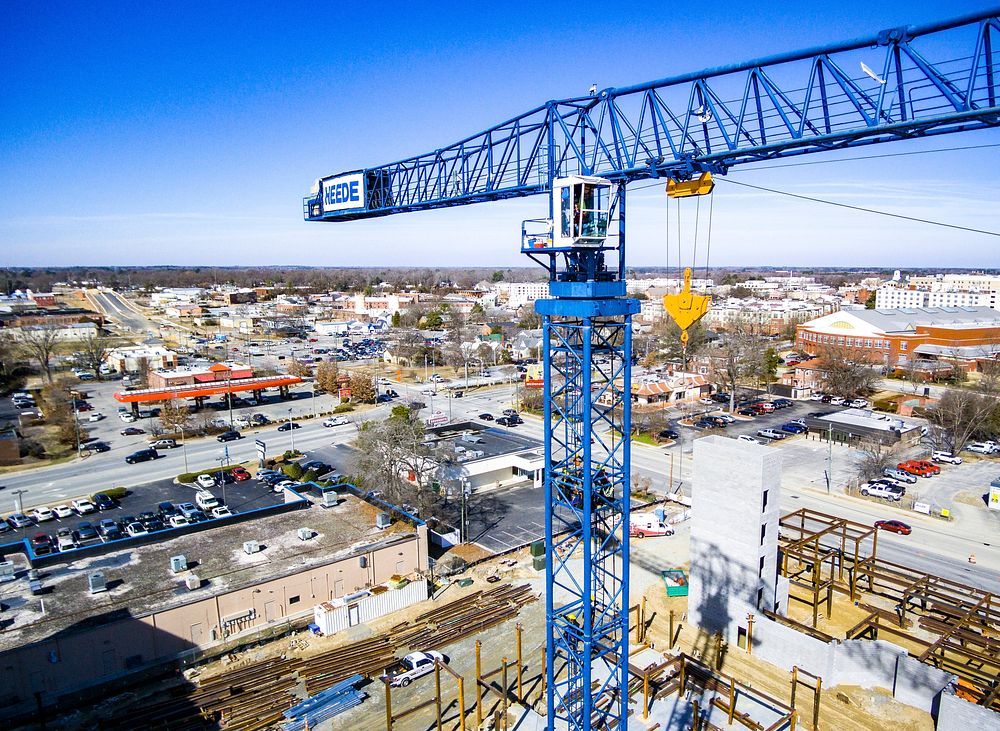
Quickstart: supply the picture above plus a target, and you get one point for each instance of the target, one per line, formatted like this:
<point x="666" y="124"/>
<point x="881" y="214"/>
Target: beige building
<point x="149" y="615"/>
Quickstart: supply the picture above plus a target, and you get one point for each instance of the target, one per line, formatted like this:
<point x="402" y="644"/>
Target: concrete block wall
<point x="870" y="664"/>
<point x="919" y="684"/>
<point x="734" y="532"/>
<point x="955" y="714"/>
<point x="786" y="648"/>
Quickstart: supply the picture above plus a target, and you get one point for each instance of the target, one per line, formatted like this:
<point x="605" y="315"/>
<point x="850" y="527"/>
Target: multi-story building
<point x="895" y="337"/>
<point x="514" y="295"/>
<point x="769" y="316"/>
<point x="129" y="359"/>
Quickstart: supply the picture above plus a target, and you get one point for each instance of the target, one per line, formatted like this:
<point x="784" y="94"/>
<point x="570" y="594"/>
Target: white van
<point x="206" y="501"/>
<point x="641" y="526"/>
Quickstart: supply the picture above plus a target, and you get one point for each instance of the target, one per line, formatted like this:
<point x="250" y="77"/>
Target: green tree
<point x="433" y="320"/>
<point x="497" y="276"/>
<point x="769" y="367"/>
<point x="870" y="302"/>
<point x="396" y="319"/>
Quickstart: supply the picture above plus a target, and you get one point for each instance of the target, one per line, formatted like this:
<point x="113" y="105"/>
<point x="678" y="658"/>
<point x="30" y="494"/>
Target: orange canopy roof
<point x="212" y="388"/>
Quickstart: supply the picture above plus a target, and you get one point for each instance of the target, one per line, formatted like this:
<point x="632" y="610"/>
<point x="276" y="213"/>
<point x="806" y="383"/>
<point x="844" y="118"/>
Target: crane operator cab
<point x="583" y="206"/>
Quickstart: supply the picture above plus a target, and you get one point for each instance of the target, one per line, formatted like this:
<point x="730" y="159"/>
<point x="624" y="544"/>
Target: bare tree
<point x="740" y="356"/>
<point x="174" y="416"/>
<point x="299" y="369"/>
<point x="875" y="457"/>
<point x="39" y="344"/>
<point x="962" y="413"/>
<point x="92" y="350"/>
<point x="395" y="455"/>
<point x="846" y="373"/>
<point x="143" y="371"/>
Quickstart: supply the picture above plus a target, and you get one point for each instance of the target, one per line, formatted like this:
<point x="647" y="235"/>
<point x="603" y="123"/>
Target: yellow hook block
<point x="702" y="185"/>
<point x="685" y="307"/>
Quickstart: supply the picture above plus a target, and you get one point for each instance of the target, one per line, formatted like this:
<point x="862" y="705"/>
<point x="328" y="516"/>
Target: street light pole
<point x="76" y="418"/>
<point x="18" y="505"/>
<point x="291" y="429"/>
<point x="184" y="448"/>
<point x="222" y="477"/>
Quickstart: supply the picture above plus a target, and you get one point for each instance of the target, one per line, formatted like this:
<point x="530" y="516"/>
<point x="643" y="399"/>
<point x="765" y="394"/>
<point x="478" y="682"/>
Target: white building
<point x="127" y="360"/>
<point x="514" y="295"/>
<point x="75" y="331"/>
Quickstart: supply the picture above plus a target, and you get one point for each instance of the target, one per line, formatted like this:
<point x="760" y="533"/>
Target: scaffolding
<point x="943" y="623"/>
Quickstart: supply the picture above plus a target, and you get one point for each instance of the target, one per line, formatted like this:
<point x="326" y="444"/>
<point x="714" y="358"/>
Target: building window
<point x="760" y="571"/>
<point x="902" y="345"/>
<point x="763" y="533"/>
<point x="293" y="599"/>
<point x="763" y="505"/>
<point x="868" y="343"/>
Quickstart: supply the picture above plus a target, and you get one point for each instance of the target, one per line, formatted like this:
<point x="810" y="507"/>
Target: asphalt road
<point x="114" y="307"/>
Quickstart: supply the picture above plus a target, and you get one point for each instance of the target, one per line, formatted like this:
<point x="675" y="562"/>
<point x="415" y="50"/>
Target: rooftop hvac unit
<point x="34" y="574"/>
<point x="251" y="547"/>
<point x="330" y="499"/>
<point x="6" y="571"/>
<point x="98" y="582"/>
<point x="192" y="582"/>
<point x="383" y="521"/>
<point x="178" y="563"/>
<point x="306" y="534"/>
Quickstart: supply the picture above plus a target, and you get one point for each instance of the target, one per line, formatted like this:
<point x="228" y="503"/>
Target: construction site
<point x="726" y="613"/>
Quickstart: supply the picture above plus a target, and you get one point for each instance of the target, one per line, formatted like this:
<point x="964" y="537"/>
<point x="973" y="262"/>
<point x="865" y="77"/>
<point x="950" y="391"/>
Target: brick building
<point x="963" y="336"/>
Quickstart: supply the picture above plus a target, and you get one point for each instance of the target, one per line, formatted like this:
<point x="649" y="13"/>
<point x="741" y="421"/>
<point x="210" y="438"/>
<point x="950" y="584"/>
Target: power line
<point x="859" y="208"/>
<point x="865" y="157"/>
<point x="843" y="159"/>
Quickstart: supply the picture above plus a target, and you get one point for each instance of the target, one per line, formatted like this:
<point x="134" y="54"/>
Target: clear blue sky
<point x="188" y="132"/>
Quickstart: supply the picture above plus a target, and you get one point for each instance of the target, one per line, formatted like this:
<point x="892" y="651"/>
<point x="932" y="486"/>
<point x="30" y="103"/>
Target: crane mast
<point x="583" y="151"/>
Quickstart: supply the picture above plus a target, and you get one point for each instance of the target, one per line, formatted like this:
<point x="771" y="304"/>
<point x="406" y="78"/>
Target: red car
<point x="240" y="474"/>
<point x="894" y="526"/>
<point x="929" y="466"/>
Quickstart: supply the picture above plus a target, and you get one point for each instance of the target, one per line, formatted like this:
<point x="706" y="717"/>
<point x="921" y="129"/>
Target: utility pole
<point x="291" y="429"/>
<point x="18" y="505"/>
<point x="829" y="457"/>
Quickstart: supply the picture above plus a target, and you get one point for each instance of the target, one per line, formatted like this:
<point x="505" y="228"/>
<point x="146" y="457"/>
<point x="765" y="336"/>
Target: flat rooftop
<point x="492" y="441"/>
<point x="140" y="580"/>
<point x="867" y="419"/>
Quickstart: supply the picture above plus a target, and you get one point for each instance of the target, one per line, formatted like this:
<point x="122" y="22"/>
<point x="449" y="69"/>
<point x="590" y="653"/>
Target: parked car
<point x="143" y="455"/>
<point x="505" y="421"/>
<point x="222" y="511"/>
<point x="127" y="416"/>
<point x="894" y="526"/>
<point x="240" y="474"/>
<point x="103" y="501"/>
<point x="665" y="435"/>
<point x="85" y="532"/>
<point x="771" y="434"/>
<point x="930" y="466"/>
<point x="83" y="506"/>
<point x="131" y="431"/>
<point x="879" y="489"/>
<point x="317" y="466"/>
<point x="720" y="398"/>
<point x="707" y="400"/>
<point x="163" y="444"/>
<point x="980" y="448"/>
<point x="186" y="509"/>
<point x="336" y="421"/>
<point x="289" y="425"/>
<point x="99" y="447"/>
<point x="859" y="403"/>
<point x="747" y="438"/>
<point x="109" y="529"/>
<point x="915" y="467"/>
<point x="899" y="475"/>
<point x="411" y="667"/>
<point x="40" y="515"/>
<point x="746" y="411"/>
<point x="41" y="544"/>
<point x="135" y="529"/>
<point x="781" y="403"/>
<point x="178" y="521"/>
<point x="946" y="457"/>
<point x="486" y="416"/>
<point x="728" y="418"/>
<point x="793" y="428"/>
<point x="205" y="481"/>
<point x="63" y="511"/>
<point x="65" y="540"/>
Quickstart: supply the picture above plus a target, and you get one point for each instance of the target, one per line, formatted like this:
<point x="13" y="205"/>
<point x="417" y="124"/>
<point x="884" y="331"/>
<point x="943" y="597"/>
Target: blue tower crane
<point x="583" y="151"/>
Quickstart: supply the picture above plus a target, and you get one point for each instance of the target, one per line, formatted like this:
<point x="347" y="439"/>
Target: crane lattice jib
<point x="896" y="84"/>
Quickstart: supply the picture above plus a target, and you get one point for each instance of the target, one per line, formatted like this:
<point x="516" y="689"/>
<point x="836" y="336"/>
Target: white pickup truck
<point x="411" y="667"/>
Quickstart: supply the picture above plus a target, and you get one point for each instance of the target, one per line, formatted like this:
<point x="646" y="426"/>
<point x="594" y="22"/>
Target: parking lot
<point x="240" y="497"/>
